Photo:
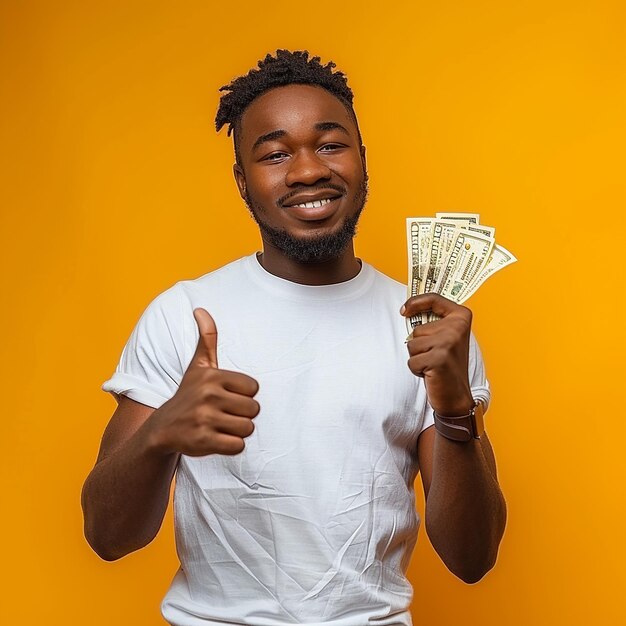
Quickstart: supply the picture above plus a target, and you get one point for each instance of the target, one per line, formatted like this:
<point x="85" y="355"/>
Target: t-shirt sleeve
<point x="150" y="368"/>
<point x="477" y="379"/>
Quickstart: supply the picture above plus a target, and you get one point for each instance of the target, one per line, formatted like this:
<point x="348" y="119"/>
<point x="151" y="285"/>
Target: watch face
<point x="479" y="422"/>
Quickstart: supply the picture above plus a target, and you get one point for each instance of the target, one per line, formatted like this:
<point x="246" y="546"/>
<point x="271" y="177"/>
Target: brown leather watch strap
<point x="456" y="432"/>
<point x="463" y="427"/>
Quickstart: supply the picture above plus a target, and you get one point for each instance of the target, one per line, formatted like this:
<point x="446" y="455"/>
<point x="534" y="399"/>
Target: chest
<point x="327" y="371"/>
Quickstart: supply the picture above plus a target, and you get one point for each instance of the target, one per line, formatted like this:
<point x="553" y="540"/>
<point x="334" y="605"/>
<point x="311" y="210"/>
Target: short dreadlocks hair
<point x="286" y="68"/>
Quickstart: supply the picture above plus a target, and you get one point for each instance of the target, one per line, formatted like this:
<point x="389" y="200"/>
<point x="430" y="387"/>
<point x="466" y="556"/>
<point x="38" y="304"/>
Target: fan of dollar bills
<point x="452" y="254"/>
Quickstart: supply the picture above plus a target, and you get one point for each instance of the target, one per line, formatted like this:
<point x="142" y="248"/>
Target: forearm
<point x="125" y="496"/>
<point x="465" y="511"/>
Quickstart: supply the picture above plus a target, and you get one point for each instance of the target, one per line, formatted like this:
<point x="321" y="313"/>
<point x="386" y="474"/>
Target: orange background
<point x="115" y="185"/>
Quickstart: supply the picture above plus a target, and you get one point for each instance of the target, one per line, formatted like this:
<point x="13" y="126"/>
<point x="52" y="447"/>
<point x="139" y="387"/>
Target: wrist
<point x="154" y="441"/>
<point x="455" y="406"/>
<point x="463" y="427"/>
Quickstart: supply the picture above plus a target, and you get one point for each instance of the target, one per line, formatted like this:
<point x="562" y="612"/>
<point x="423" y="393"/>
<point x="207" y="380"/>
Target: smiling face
<point x="302" y="171"/>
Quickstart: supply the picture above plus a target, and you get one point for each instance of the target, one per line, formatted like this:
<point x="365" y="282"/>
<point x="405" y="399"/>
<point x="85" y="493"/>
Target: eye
<point x="330" y="147"/>
<point x="274" y="156"/>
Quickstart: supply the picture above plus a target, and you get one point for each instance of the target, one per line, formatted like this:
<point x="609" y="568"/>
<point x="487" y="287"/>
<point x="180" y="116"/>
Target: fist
<point x="439" y="352"/>
<point x="212" y="411"/>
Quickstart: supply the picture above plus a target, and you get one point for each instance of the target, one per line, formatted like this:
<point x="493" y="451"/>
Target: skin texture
<point x="298" y="143"/>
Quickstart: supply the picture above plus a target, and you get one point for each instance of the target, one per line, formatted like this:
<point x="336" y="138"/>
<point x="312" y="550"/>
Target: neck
<point x="329" y="272"/>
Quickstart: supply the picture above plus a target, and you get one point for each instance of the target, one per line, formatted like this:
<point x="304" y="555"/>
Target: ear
<point x="240" y="179"/>
<point x="363" y="158"/>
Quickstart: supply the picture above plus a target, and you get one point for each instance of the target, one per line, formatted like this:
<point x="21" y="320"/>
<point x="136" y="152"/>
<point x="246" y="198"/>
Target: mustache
<point x="294" y="192"/>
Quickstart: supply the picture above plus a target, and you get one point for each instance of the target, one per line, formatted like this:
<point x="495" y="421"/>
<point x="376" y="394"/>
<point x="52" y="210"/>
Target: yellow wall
<point x="115" y="185"/>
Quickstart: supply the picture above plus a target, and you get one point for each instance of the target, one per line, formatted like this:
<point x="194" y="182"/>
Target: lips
<point x="313" y="205"/>
<point x="314" y="209"/>
<point x="313" y="195"/>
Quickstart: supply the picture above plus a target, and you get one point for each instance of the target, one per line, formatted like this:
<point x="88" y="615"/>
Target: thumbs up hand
<point x="213" y="409"/>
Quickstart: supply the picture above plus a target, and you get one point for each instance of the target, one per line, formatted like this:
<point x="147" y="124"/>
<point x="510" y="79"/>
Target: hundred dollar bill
<point x="418" y="241"/>
<point x="471" y="221"/>
<point x="471" y="253"/>
<point x="500" y="257"/>
<point x="488" y="231"/>
<point x="442" y="240"/>
<point x="472" y="218"/>
<point x="418" y="230"/>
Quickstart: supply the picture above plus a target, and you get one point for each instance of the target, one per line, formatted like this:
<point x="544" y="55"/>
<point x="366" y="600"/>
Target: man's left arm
<point x="465" y="508"/>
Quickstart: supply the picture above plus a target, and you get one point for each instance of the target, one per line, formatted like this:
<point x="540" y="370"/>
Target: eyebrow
<point x="277" y="134"/>
<point x="331" y="126"/>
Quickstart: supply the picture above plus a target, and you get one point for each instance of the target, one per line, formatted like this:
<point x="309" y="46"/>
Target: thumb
<point x="206" y="351"/>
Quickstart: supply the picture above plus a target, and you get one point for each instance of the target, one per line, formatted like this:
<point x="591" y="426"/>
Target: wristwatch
<point x="463" y="427"/>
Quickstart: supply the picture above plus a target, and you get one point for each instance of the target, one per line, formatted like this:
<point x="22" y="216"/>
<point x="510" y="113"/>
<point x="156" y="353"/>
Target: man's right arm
<point x="126" y="494"/>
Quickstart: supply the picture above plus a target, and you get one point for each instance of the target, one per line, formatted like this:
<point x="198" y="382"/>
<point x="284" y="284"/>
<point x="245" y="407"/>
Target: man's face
<point x="302" y="171"/>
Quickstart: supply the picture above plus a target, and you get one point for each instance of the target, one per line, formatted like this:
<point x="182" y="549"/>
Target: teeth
<point x="313" y="205"/>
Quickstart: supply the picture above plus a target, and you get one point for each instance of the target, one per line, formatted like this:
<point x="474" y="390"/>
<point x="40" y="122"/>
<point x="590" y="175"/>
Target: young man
<point x="277" y="389"/>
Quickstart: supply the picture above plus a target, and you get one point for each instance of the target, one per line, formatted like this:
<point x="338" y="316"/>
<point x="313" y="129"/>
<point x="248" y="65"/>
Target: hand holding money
<point x="451" y="255"/>
<point x="439" y="352"/>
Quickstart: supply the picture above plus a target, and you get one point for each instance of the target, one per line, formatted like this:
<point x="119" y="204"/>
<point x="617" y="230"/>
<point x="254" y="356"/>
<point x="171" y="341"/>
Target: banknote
<point x="443" y="235"/>
<point x="471" y="221"/>
<point x="418" y="239"/>
<point x="488" y="231"/>
<point x="418" y="231"/>
<point x="500" y="258"/>
<point x="471" y="218"/>
<point x="451" y="254"/>
<point x="471" y="253"/>
<point x="439" y="244"/>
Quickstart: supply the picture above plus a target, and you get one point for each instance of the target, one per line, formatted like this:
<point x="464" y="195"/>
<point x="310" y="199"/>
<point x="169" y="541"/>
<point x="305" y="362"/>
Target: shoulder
<point x="386" y="284"/>
<point x="226" y="275"/>
<point x="182" y="295"/>
<point x="170" y="305"/>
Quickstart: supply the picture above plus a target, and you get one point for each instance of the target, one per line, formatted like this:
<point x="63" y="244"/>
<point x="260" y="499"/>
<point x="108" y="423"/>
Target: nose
<point x="306" y="168"/>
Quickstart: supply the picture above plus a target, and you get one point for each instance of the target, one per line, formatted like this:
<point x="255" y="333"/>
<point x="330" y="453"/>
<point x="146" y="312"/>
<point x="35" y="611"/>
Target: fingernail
<point x="402" y="309"/>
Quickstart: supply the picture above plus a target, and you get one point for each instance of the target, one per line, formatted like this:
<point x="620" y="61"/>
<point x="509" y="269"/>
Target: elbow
<point x="468" y="557"/>
<point x="99" y="528"/>
<point x="107" y="554"/>
<point x="480" y="560"/>
<point x="109" y="557"/>
<point x="104" y="549"/>
<point x="98" y="535"/>
<point x="470" y="574"/>
<point x="470" y="568"/>
<point x="110" y="545"/>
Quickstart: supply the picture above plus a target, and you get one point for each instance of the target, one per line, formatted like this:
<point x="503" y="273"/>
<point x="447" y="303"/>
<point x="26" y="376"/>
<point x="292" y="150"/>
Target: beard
<point x="317" y="248"/>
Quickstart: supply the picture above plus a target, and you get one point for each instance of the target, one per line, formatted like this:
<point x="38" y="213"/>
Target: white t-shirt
<point x="315" y="521"/>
